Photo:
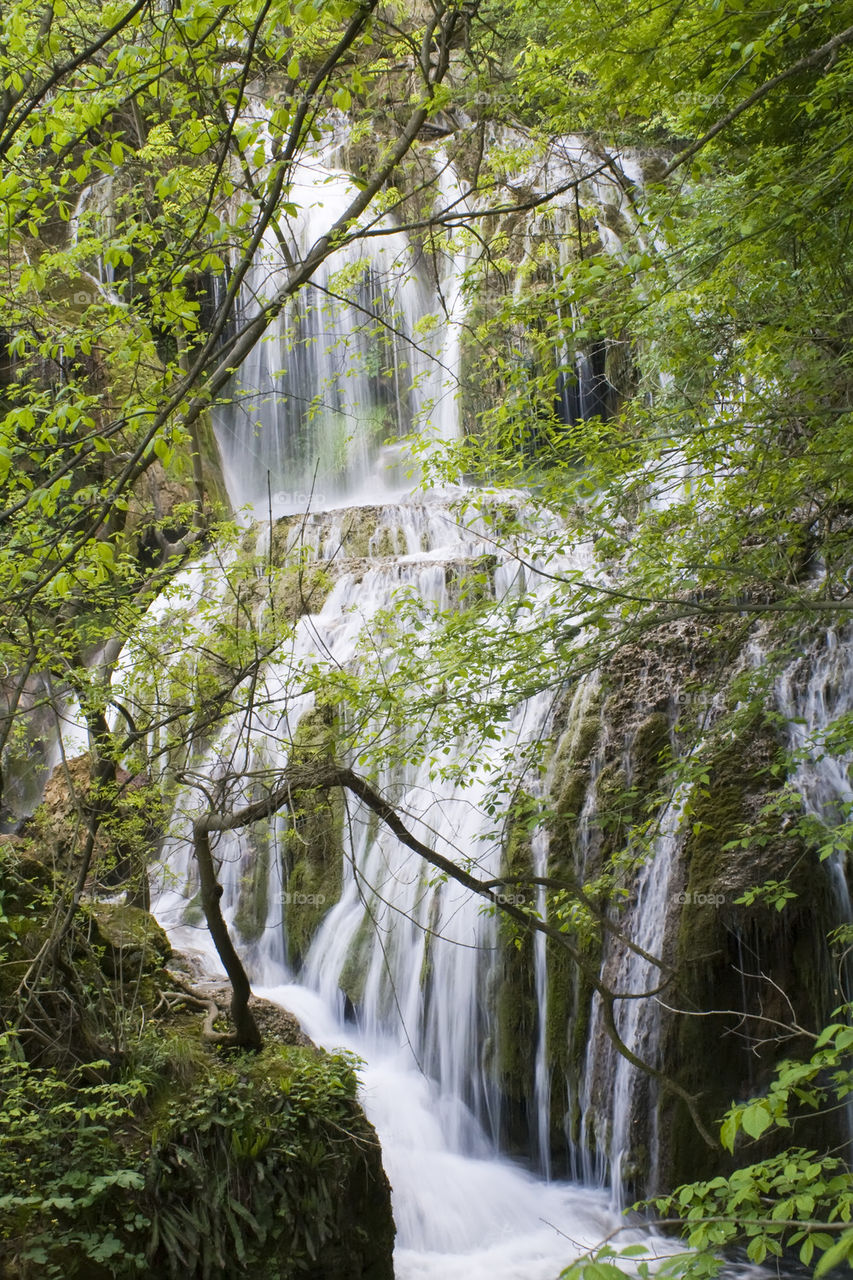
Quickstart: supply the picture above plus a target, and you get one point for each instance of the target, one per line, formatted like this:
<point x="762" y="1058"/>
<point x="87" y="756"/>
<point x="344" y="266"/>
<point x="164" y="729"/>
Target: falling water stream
<point x="461" y="1208"/>
<point x="403" y="967"/>
<point x="308" y="425"/>
<point x="401" y="970"/>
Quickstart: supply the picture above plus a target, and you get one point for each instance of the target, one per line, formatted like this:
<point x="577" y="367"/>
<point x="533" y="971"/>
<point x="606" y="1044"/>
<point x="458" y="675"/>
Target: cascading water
<point x="415" y="954"/>
<point x="814" y="694"/>
<point x="402" y="966"/>
<point x="352" y="364"/>
<point x="607" y="1074"/>
<point x="411" y="953"/>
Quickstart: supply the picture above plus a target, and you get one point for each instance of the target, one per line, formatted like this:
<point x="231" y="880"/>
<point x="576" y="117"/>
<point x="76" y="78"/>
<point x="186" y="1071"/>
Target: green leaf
<point x="841" y="1250"/>
<point x="757" y="1249"/>
<point x="728" y="1131"/>
<point x="755" y="1119"/>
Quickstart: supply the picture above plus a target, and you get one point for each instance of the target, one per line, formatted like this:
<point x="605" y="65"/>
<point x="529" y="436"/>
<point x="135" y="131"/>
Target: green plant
<point x="796" y="1204"/>
<point x="211" y="1168"/>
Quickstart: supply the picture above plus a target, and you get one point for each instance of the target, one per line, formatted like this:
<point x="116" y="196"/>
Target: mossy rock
<point x="313" y="842"/>
<point x="314" y="853"/>
<point x="359" y="532"/>
<point x="250" y="918"/>
<point x="732" y="955"/>
<point x="471" y="582"/>
<point x="572" y="774"/>
<point x="226" y="1166"/>
<point x="386" y="543"/>
<point x="125" y="837"/>
<point x="651" y="753"/>
<point x="355" y="540"/>
<point x="516" y="1010"/>
<point x="26" y="878"/>
<point x="22" y="935"/>
<point x="354" y="971"/>
<point x="131" y="938"/>
<point x="298" y="591"/>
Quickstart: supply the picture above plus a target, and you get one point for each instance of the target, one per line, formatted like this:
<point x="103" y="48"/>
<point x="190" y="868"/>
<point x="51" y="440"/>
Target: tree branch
<point x="805" y="63"/>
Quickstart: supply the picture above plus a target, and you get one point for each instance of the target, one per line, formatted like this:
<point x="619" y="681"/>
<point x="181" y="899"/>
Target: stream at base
<point x="460" y="1214"/>
<point x="462" y="1210"/>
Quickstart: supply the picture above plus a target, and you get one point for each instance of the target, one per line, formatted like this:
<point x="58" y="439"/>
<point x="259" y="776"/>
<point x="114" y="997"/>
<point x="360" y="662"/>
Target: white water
<point x="415" y="954"/>
<point x="638" y="1020"/>
<point x="610" y="1083"/>
<point x="814" y="692"/>
<point x="305" y="430"/>
<point x="461" y="1213"/>
<point x="426" y="962"/>
<point x="364" y="355"/>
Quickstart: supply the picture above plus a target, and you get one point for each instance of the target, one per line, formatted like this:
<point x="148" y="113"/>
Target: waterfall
<point x="427" y="937"/>
<point x="814" y="693"/>
<point x="542" y="1069"/>
<point x="402" y="966"/>
<point x="364" y="355"/>
<point x="400" y="969"/>
<point x="379" y="953"/>
<point x="610" y="1101"/>
<point x="638" y="1020"/>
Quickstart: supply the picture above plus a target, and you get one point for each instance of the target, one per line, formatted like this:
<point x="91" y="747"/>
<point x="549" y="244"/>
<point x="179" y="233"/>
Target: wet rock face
<point x="680" y="700"/>
<point x="771" y="969"/>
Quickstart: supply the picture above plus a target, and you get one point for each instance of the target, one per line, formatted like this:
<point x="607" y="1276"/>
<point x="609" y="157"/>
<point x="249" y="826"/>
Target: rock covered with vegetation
<point x="132" y="1144"/>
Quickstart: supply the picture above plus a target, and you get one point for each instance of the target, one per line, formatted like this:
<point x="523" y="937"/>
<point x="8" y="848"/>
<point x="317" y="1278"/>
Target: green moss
<point x="26" y="877"/>
<point x="516" y="1011"/>
<point x="651" y="753"/>
<point x="193" y="912"/>
<point x="571" y="776"/>
<point x="211" y="463"/>
<point x="210" y="1164"/>
<point x="314" y="857"/>
<point x="131" y="938"/>
<point x="386" y="542"/>
<point x="430" y="936"/>
<point x="12" y="973"/>
<point x="359" y="530"/>
<point x="735" y="956"/>
<point x="253" y="1164"/>
<point x="300" y="591"/>
<point x="472" y="582"/>
<point x="355" y="968"/>
<point x="253" y="902"/>
<point x="576" y="745"/>
<point x="313" y="841"/>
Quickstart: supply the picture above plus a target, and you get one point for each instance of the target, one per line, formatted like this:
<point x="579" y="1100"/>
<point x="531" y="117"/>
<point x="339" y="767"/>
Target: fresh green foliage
<point x="204" y="1174"/>
<point x="147" y="151"/>
<point x="798" y="1203"/>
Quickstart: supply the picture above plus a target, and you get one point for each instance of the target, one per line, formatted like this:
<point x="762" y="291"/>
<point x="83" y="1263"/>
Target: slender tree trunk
<point x="247" y="1035"/>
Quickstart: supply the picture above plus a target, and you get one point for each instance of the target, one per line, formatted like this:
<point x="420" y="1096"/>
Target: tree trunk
<point x="246" y="1033"/>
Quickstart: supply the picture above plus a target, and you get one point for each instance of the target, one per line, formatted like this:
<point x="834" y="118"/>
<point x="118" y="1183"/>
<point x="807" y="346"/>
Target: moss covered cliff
<point x="133" y="1145"/>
